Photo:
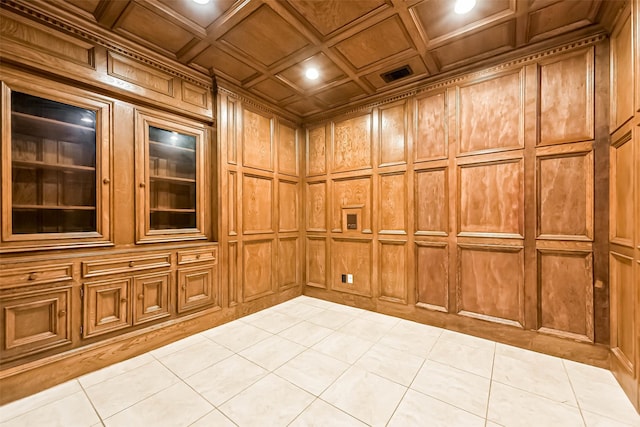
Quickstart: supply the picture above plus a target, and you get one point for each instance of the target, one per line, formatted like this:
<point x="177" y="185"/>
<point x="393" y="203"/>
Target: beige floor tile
<point x="330" y="319"/>
<point x="366" y="396"/>
<point x="271" y="401"/>
<point x="190" y="360"/>
<point x="469" y="340"/>
<point x="343" y="347"/>
<point x="458" y="388"/>
<point x="237" y="336"/>
<point x="346" y="309"/>
<point x="74" y="410"/>
<point x="312" y="371"/>
<point x="35" y="401"/>
<point x="389" y="321"/>
<point x="299" y="310"/>
<point x="391" y="364"/>
<point x="274" y="322"/>
<point x="419" y="410"/>
<point x="363" y="328"/>
<point x="321" y="414"/>
<point x="176" y="406"/>
<point x="306" y="333"/>
<point x="114" y="370"/>
<point x="214" y="418"/>
<point x="179" y="345"/>
<point x="476" y="360"/>
<point x="272" y="352"/>
<point x="595" y="420"/>
<point x="120" y="392"/>
<point x="222" y="381"/>
<point x="510" y="406"/>
<point x="411" y="339"/>
<point x="597" y="391"/>
<point x="316" y="302"/>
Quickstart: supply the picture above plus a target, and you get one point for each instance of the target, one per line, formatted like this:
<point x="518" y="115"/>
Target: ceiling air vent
<point x="397" y="74"/>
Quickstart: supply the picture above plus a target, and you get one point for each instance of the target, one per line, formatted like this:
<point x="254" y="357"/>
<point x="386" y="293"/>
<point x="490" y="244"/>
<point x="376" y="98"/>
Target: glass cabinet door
<point x="170" y="190"/>
<point x="53" y="169"/>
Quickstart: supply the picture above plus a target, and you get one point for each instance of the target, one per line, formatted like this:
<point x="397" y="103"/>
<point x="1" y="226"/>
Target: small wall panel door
<point x="151" y="294"/>
<point x="107" y="306"/>
<point x="197" y="287"/>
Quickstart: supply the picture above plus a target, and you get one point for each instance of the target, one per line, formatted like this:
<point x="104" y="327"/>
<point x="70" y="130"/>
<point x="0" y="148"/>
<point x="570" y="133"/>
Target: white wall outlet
<point x="350" y="278"/>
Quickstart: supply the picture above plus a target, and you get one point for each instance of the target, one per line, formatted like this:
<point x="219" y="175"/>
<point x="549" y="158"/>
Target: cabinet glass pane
<point x="172" y="176"/>
<point x="53" y="166"/>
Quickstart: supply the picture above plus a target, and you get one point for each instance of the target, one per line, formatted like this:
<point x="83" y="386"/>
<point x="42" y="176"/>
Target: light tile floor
<point x="309" y="362"/>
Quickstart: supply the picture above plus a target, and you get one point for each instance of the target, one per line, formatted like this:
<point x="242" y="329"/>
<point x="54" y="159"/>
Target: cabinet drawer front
<point x="197" y="287"/>
<point x="36" y="274"/>
<point x="107" y="306"/>
<point x="35" y="321"/>
<point x="151" y="295"/>
<point x="198" y="255"/>
<point x="124" y="264"/>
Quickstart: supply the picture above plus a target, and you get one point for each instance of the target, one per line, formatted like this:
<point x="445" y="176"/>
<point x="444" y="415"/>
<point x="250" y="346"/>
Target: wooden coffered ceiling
<point x="263" y="46"/>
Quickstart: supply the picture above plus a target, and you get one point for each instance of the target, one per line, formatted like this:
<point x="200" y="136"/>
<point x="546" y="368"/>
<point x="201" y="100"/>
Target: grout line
<point x="91" y="402"/>
<point x="493" y="366"/>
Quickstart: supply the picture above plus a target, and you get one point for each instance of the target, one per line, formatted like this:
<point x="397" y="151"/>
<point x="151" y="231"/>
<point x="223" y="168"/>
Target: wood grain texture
<point x="623" y="74"/>
<point x="232" y="203"/>
<point x="491" y="198"/>
<point x="257" y="141"/>
<point x="491" y="116"/>
<point x="565" y="196"/>
<point x="257" y="269"/>
<point x="352" y="257"/>
<point x="316" y="151"/>
<point x="107" y="306"/>
<point x="491" y="283"/>
<point x="392" y="267"/>
<point x="232" y="274"/>
<point x="151" y="296"/>
<point x="316" y="206"/>
<point x="348" y="193"/>
<point x="393" y="134"/>
<point x="431" y="201"/>
<point x="431" y="136"/>
<point x="288" y="206"/>
<point x="352" y="144"/>
<point x="197" y="287"/>
<point x="257" y="204"/>
<point x="288" y="263"/>
<point x="621" y="230"/>
<point x="566" y="98"/>
<point x="566" y="293"/>
<point x="393" y="204"/>
<point x="623" y="303"/>
<point x="432" y="275"/>
<point x="134" y="72"/>
<point x="287" y="150"/>
<point x="317" y="266"/>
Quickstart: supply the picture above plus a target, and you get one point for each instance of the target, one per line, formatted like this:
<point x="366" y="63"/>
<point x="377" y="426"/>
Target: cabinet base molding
<point x="29" y="378"/>
<point x="592" y="354"/>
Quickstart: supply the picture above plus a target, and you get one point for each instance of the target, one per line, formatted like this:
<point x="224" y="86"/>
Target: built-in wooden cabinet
<point x="107" y="306"/>
<point x="151" y="297"/>
<point x="197" y="284"/>
<point x="170" y="183"/>
<point x="55" y="166"/>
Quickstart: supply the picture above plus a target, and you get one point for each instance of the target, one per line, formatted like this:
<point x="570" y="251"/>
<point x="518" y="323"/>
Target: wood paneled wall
<point x="476" y="197"/>
<point x="261" y="212"/>
<point x="624" y="256"/>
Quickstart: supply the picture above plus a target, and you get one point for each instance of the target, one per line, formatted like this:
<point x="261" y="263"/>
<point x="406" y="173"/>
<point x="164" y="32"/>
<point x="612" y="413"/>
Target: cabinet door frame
<point x="102" y="236"/>
<point x="121" y="288"/>
<point x="163" y="300"/>
<point x="210" y="296"/>
<point x="143" y="120"/>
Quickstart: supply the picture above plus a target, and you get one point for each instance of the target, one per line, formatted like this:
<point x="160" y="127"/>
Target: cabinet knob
<point x="142" y="185"/>
<point x="33" y="276"/>
<point x="184" y="287"/>
<point x="131" y="263"/>
<point x="106" y="181"/>
<point x="62" y="313"/>
<point x="140" y="296"/>
<point x="123" y="300"/>
<point x="197" y="256"/>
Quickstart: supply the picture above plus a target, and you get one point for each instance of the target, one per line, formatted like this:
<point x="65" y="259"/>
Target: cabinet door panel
<point x="151" y="293"/>
<point x="197" y="287"/>
<point x="35" y="321"/>
<point x="106" y="306"/>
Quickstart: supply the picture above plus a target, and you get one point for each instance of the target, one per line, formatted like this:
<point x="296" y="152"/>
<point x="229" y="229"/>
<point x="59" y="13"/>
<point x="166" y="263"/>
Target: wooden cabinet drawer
<point x="197" y="287"/>
<point x="36" y="274"/>
<point x="34" y="321"/>
<point x="198" y="255"/>
<point x="124" y="264"/>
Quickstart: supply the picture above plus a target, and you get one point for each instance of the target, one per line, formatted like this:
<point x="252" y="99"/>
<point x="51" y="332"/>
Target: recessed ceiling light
<point x="201" y="1"/>
<point x="464" y="6"/>
<point x="312" y="73"/>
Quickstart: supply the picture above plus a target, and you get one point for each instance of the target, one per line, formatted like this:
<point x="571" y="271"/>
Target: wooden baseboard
<point x="592" y="354"/>
<point x="29" y="378"/>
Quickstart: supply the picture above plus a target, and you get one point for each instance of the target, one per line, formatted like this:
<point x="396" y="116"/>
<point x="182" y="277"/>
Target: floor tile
<point x="595" y="420"/>
<point x="343" y="347"/>
<point x="272" y="352"/>
<point x="312" y="371"/>
<point x="316" y="302"/>
<point x="237" y="336"/>
<point x="379" y="318"/>
<point x="179" y="345"/>
<point x="214" y="418"/>
<point x="510" y="406"/>
<point x="476" y="360"/>
<point x="176" y="406"/>
<point x="468" y="340"/>
<point x="366" y="396"/>
<point x="597" y="391"/>
<point x="391" y="364"/>
<point x="114" y="370"/>
<point x="222" y="381"/>
<point x="306" y="333"/>
<point x="459" y="388"/>
<point x="120" y="392"/>
<point x="274" y="321"/>
<point x="419" y="410"/>
<point x="411" y="339"/>
<point x="74" y="410"/>
<point x="271" y="401"/>
<point x="190" y="360"/>
<point x="299" y="310"/>
<point x="35" y="401"/>
<point x="363" y="328"/>
<point x="321" y="414"/>
<point x="346" y="309"/>
<point x="330" y="319"/>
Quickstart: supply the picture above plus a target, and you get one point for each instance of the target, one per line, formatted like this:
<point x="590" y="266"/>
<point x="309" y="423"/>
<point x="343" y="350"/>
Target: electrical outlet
<point x="350" y="278"/>
<point x="344" y="278"/>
